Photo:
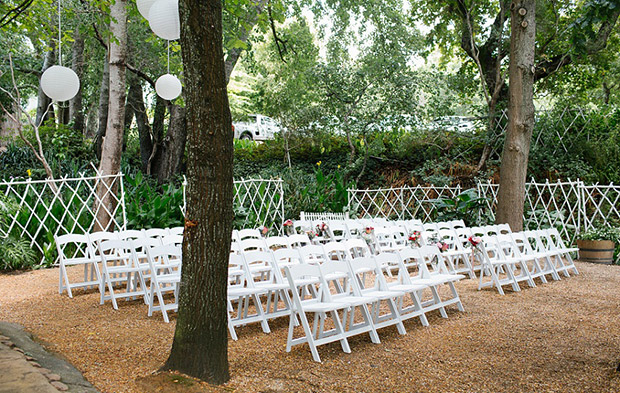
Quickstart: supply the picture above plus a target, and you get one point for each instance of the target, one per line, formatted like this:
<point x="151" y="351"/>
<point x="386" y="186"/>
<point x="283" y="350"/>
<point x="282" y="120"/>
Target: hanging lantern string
<point x="168" y="56"/>
<point x="59" y="37"/>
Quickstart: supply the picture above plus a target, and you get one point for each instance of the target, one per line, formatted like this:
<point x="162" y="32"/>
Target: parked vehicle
<point x="455" y="124"/>
<point x="256" y="128"/>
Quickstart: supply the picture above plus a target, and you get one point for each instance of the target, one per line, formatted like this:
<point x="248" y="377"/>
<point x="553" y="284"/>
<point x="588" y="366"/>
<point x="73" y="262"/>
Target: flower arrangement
<point x="367" y="235"/>
<point x="414" y="238"/>
<point x="474" y="240"/>
<point x="288" y="227"/>
<point x="442" y="246"/>
<point x="323" y="230"/>
<point x="264" y="231"/>
<point x="311" y="234"/>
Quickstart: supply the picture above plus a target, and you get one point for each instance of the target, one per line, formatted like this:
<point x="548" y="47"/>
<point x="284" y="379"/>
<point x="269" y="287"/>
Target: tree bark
<point x="200" y="346"/>
<point x="136" y="102"/>
<point x="104" y="96"/>
<point x="76" y="111"/>
<point x="43" y="102"/>
<point x="158" y="135"/>
<point x="173" y="146"/>
<point x="112" y="143"/>
<point x="513" y="171"/>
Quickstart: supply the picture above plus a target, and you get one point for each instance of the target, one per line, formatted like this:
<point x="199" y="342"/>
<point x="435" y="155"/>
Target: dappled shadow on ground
<point x="563" y="336"/>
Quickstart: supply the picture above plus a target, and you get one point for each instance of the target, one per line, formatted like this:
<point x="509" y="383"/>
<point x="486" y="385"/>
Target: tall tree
<point x="200" y="346"/>
<point x="511" y="194"/>
<point x="113" y="141"/>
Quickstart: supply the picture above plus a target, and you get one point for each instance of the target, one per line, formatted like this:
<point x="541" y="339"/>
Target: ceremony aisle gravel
<point x="558" y="337"/>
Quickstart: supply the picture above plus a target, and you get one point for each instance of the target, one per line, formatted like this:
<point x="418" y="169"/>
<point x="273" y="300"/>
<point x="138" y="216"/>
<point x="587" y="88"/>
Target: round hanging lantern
<point x="60" y="83"/>
<point x="164" y="19"/>
<point x="144" y="6"/>
<point x="168" y="87"/>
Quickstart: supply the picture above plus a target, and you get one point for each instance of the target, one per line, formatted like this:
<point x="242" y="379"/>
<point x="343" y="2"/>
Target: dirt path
<point x="558" y="337"/>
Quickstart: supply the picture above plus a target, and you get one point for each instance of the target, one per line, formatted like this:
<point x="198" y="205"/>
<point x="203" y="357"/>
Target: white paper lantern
<point x="144" y="6"/>
<point x="164" y="19"/>
<point x="168" y="87"/>
<point x="60" y="83"/>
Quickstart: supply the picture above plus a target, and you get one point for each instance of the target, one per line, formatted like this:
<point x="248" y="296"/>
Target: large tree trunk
<point x="511" y="194"/>
<point x="76" y="111"/>
<point x="173" y="146"/>
<point x="43" y="102"/>
<point x="200" y="346"/>
<point x="104" y="97"/>
<point x="136" y="102"/>
<point x="112" y="143"/>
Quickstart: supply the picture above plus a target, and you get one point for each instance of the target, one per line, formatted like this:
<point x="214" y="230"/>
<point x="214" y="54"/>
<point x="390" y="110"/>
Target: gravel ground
<point x="559" y="337"/>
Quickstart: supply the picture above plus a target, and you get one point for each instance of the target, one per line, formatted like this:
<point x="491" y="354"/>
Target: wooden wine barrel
<point x="597" y="251"/>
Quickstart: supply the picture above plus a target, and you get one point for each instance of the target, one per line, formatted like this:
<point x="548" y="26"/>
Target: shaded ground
<point x="559" y="337"/>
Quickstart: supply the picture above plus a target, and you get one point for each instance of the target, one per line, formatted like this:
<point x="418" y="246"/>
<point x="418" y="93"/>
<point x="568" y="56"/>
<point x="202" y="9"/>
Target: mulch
<point x="558" y="337"/>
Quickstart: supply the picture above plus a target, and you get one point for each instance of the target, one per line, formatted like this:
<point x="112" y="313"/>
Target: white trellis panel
<point x="570" y="206"/>
<point x="262" y="197"/>
<point x="65" y="205"/>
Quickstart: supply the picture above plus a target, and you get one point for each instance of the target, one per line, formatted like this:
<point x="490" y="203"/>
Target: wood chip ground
<point x="558" y="337"/>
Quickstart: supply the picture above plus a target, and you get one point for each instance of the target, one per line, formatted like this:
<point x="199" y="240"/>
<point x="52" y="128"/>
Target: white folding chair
<point x="277" y="242"/>
<point x="540" y="260"/>
<point x="251" y="244"/>
<point x="242" y="295"/>
<point x="156" y="232"/>
<point x="364" y="269"/>
<point x="555" y="243"/>
<point x="457" y="257"/>
<point x="165" y="274"/>
<point x="176" y="231"/>
<point x="117" y="257"/>
<point x="74" y="249"/>
<point x="299" y="240"/>
<point x="318" y="306"/>
<point x="129" y="234"/>
<point x="497" y="268"/>
<point x="244" y="234"/>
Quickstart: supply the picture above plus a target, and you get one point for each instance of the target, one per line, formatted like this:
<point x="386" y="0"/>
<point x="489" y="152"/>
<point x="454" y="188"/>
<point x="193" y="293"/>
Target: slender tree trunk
<point x="76" y="111"/>
<point x="104" y="97"/>
<point x="511" y="194"/>
<point x="43" y="102"/>
<point x="142" y="121"/>
<point x="112" y="144"/>
<point x="63" y="112"/>
<point x="200" y="346"/>
<point x="158" y="135"/>
<point x="173" y="147"/>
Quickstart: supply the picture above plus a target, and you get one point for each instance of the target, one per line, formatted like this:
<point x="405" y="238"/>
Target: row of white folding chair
<point x="81" y="249"/>
<point x="524" y="256"/>
<point x="458" y="256"/>
<point x="271" y="242"/>
<point x="353" y="292"/>
<point x="160" y="267"/>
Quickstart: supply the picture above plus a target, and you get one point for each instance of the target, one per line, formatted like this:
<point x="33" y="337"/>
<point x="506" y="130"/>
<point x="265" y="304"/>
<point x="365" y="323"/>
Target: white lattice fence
<point x="262" y="199"/>
<point x="570" y="206"/>
<point x="54" y="207"/>
<point x="399" y="203"/>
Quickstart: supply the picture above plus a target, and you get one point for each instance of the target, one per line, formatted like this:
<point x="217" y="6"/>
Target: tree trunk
<point x="76" y="111"/>
<point x="112" y="143"/>
<point x="513" y="171"/>
<point x="44" y="101"/>
<point x="173" y="146"/>
<point x="142" y="121"/>
<point x="63" y="112"/>
<point x="200" y="346"/>
<point x="158" y="135"/>
<point x="104" y="96"/>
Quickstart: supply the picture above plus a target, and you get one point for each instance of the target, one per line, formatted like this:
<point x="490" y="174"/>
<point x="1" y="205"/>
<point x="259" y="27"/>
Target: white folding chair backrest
<point x="156" y="232"/>
<point x="503" y="229"/>
<point x="313" y="254"/>
<point x="431" y="261"/>
<point x="336" y="251"/>
<point x="176" y="240"/>
<point x="130" y="234"/>
<point x="236" y="272"/>
<point x="384" y="239"/>
<point x="456" y="224"/>
<point x="250" y="244"/>
<point x="176" y="231"/>
<point x="165" y="259"/>
<point x="357" y="248"/>
<point x="299" y="240"/>
<point x="449" y="237"/>
<point x="96" y="237"/>
<point x="244" y="234"/>
<point x="399" y="237"/>
<point x="119" y="252"/>
<point x="410" y="260"/>
<point x="355" y="228"/>
<point x="74" y="248"/>
<point x="277" y="242"/>
<point x="141" y="245"/>
<point x="286" y="257"/>
<point x="430" y="227"/>
<point x="260" y="266"/>
<point x="338" y="230"/>
<point x="444" y="225"/>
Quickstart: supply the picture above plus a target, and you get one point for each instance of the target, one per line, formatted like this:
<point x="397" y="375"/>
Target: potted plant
<point x="597" y="244"/>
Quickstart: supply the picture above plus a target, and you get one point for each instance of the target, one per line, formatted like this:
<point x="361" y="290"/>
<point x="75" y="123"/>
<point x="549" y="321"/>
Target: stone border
<point x="61" y="374"/>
